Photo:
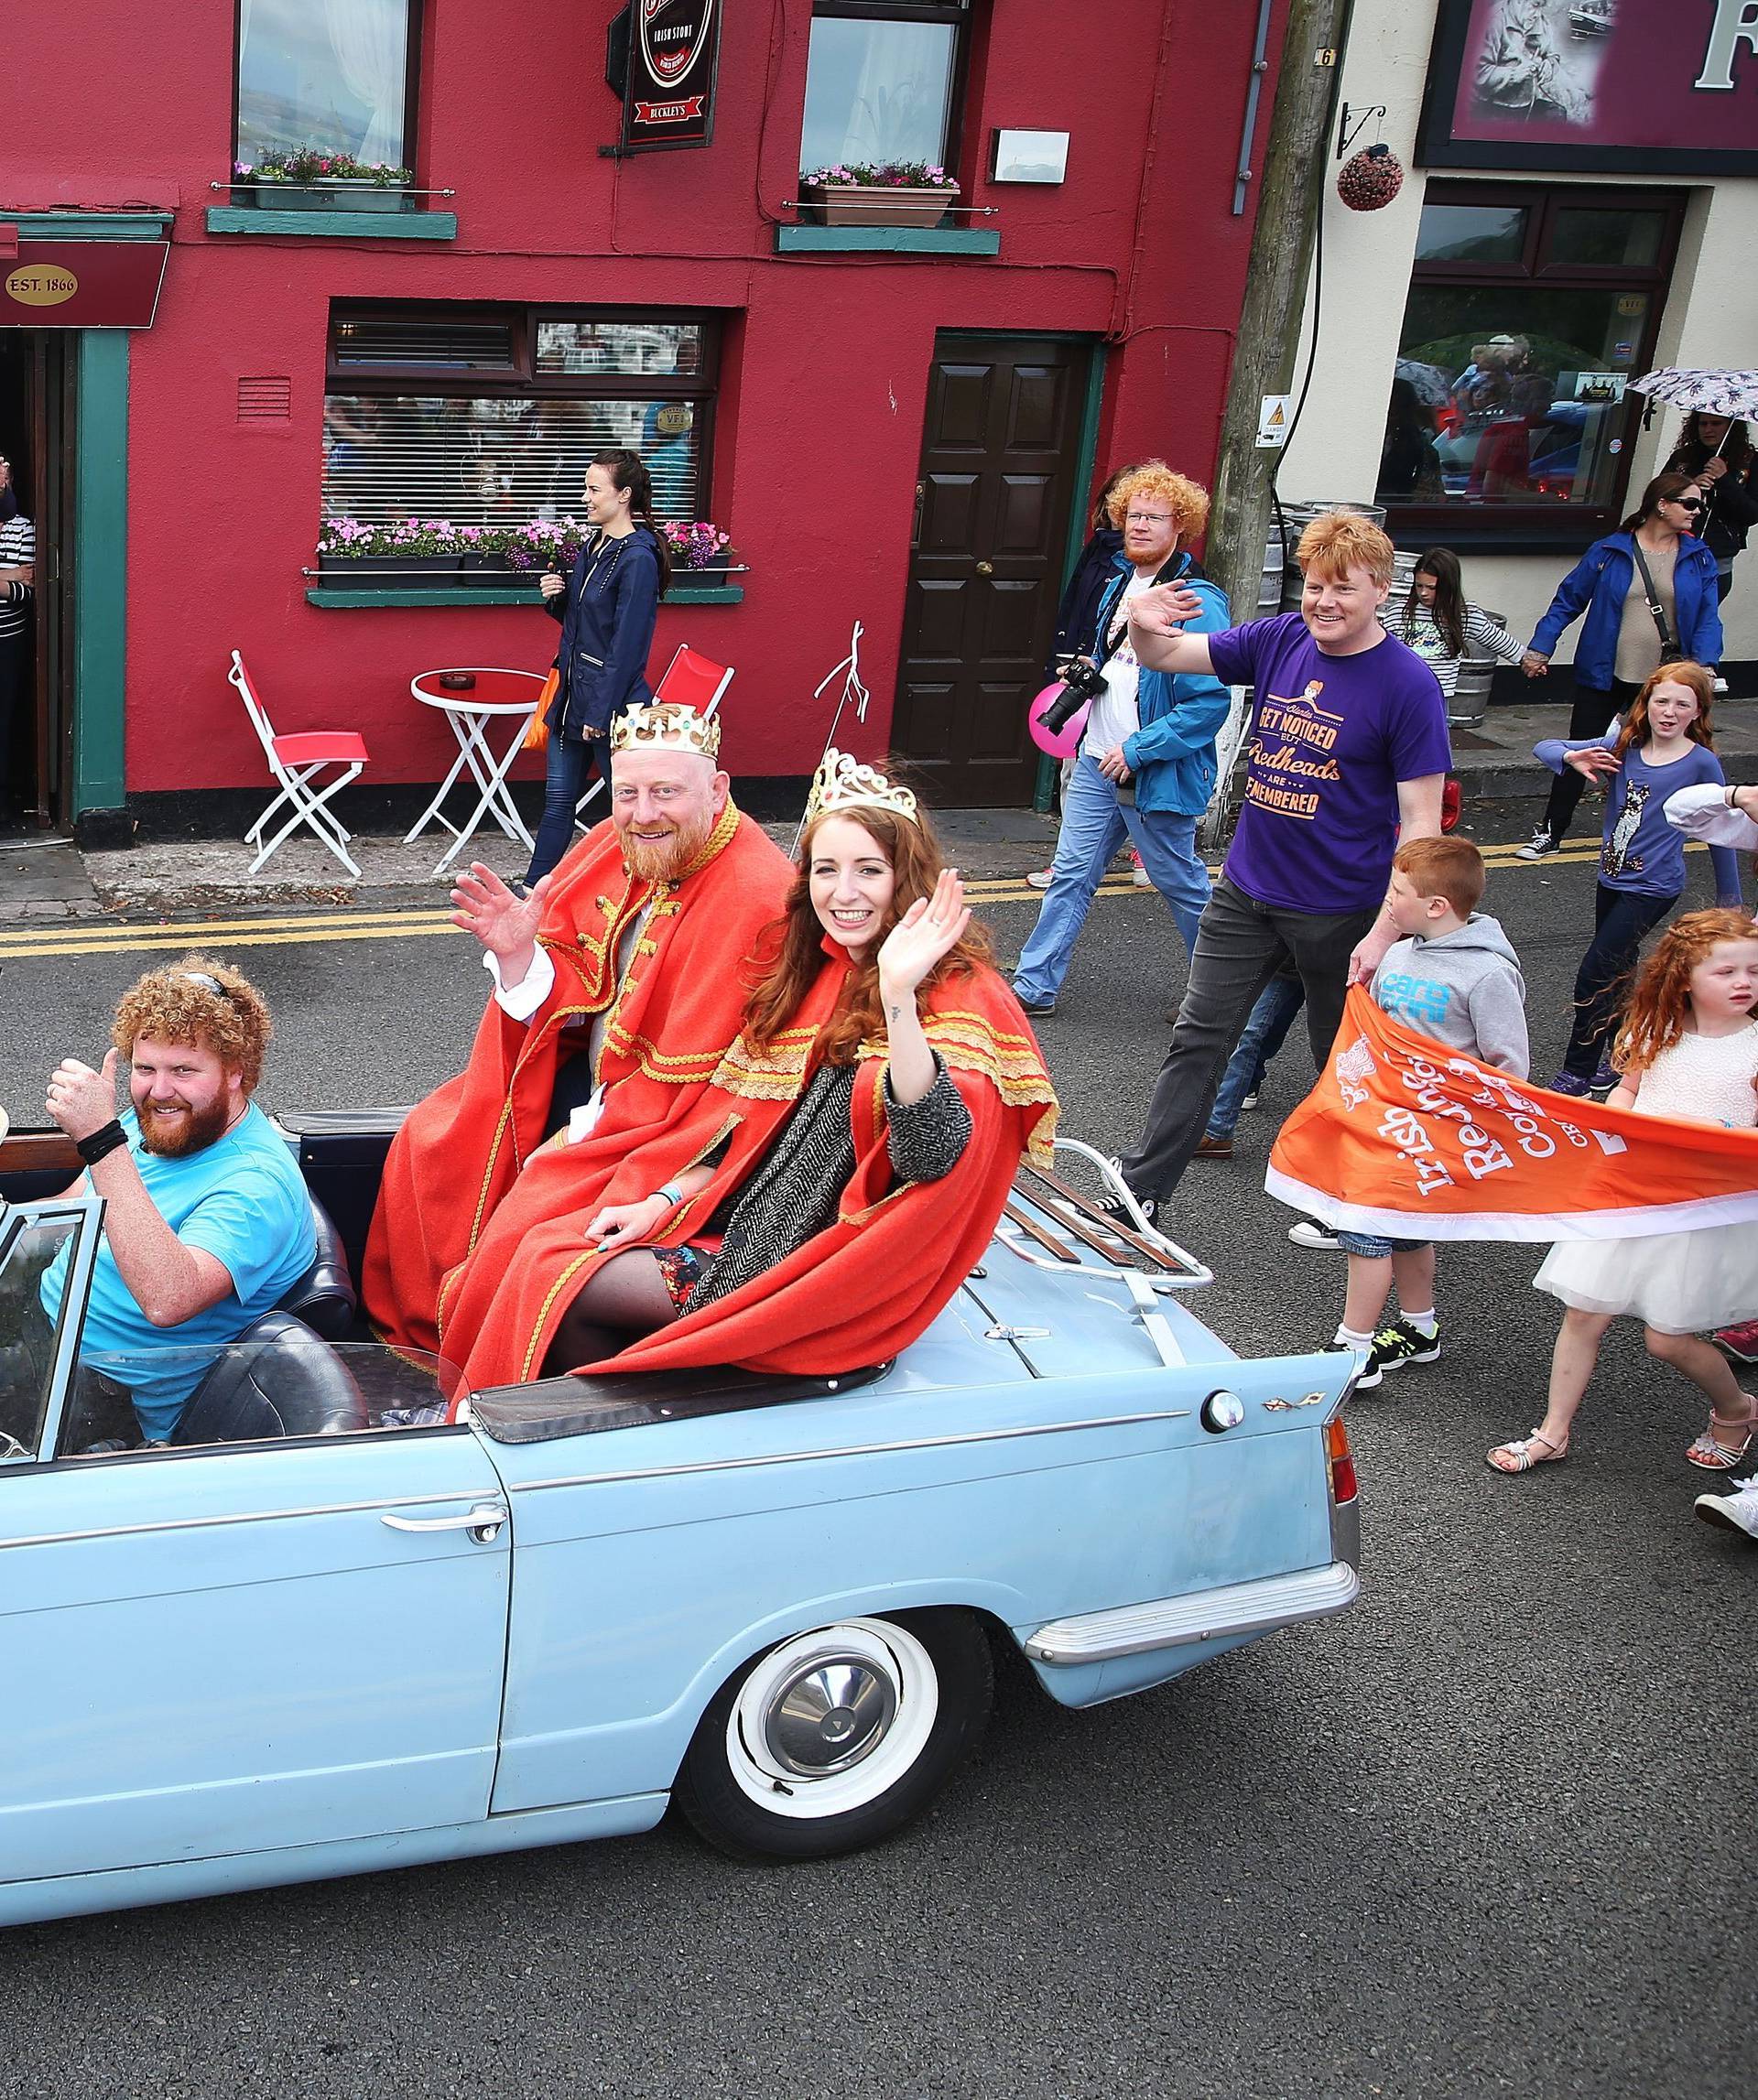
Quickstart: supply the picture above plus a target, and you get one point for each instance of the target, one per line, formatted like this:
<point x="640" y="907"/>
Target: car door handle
<point x="483" y="1522"/>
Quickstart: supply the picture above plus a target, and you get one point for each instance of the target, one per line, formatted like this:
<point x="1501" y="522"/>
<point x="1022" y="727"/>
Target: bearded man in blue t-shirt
<point x="207" y="1224"/>
<point x="1347" y="749"/>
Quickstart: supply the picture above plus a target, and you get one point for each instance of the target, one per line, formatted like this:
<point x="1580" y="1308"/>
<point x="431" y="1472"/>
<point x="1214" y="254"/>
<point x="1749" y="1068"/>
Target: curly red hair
<point x="1655" y="1018"/>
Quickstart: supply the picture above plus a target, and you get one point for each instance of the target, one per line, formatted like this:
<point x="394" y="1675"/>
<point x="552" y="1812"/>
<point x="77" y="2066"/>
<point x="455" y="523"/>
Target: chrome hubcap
<point x="828" y="1716"/>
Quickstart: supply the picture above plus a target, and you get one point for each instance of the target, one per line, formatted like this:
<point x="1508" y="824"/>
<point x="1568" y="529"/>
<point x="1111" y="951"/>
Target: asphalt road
<point x="1487" y="1832"/>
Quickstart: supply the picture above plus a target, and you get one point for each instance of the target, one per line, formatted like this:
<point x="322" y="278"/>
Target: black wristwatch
<point x="95" y="1148"/>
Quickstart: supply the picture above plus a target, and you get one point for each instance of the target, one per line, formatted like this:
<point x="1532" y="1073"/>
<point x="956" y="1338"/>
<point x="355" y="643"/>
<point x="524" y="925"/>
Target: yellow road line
<point x="340" y="923"/>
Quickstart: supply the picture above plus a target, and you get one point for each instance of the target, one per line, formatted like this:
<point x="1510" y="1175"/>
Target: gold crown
<point x="843" y="783"/>
<point x="667" y="727"/>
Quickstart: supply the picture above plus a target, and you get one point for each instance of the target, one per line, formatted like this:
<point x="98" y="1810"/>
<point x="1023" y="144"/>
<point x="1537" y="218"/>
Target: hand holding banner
<point x="1403" y="1136"/>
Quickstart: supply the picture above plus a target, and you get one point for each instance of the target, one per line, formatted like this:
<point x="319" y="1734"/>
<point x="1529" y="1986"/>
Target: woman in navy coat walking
<point x="607" y="608"/>
<point x="1621" y="640"/>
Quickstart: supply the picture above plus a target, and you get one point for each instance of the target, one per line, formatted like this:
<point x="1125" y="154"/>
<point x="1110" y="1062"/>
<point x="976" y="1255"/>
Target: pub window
<point x="337" y="75"/>
<point x="883" y="82"/>
<point x="1531" y="308"/>
<point x="490" y="416"/>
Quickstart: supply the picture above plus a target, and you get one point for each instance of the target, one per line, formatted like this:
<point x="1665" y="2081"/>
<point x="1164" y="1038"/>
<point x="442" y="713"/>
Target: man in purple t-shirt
<point x="1348" y="748"/>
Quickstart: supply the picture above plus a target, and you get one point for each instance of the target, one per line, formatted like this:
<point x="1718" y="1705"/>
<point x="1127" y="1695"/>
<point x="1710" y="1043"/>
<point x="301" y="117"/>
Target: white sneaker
<point x="1249" y="1102"/>
<point x="1538" y="846"/>
<point x="1737" y="1511"/>
<point x="1310" y="1233"/>
<point x="1040" y="878"/>
<point x="1720" y="686"/>
<point x="1141" y="878"/>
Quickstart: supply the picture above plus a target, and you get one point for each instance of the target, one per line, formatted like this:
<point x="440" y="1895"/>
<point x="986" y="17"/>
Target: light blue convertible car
<point x="322" y="1631"/>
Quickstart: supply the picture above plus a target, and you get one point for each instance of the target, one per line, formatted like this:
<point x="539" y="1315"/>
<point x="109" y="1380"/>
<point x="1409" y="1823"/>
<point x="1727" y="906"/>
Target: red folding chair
<point x="294" y="763"/>
<point x="690" y="680"/>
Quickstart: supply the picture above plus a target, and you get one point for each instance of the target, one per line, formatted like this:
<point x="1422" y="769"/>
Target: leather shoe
<point x="1213" y="1148"/>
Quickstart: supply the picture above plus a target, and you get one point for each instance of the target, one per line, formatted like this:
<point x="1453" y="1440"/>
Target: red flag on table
<point x="1406" y="1137"/>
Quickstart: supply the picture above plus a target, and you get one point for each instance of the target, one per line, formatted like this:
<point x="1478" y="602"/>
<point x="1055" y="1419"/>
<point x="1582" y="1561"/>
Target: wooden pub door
<point x="1001" y="447"/>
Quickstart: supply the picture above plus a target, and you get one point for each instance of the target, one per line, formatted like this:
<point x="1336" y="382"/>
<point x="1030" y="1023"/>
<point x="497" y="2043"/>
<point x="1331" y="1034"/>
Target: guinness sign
<point x="672" y="50"/>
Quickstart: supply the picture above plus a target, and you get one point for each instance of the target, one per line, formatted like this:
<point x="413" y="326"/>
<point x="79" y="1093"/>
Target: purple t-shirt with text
<point x="1330" y="738"/>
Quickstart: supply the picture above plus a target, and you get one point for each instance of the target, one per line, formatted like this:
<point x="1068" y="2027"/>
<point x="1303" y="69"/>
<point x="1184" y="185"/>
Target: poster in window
<point x="668" y="80"/>
<point x="1604" y="86"/>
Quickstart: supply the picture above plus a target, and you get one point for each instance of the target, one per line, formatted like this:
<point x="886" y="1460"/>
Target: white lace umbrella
<point x="1704" y="392"/>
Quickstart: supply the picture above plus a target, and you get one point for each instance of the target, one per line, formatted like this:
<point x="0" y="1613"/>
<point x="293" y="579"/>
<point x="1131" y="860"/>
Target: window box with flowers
<point x="356" y="557"/>
<point x="309" y="180"/>
<point x="877" y="193"/>
<point x="700" y="552"/>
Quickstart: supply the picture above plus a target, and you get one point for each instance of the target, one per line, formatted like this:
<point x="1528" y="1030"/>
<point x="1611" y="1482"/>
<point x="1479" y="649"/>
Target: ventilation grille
<point x="265" y="400"/>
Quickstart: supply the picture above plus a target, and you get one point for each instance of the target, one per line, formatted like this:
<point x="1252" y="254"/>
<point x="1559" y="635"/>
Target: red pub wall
<point x="826" y="358"/>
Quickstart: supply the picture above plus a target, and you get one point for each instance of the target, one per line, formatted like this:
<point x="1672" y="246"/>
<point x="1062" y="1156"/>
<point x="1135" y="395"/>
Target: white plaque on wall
<point x="1030" y="157"/>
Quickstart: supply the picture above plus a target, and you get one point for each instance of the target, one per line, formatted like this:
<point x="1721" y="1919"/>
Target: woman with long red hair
<point x="848" y="1162"/>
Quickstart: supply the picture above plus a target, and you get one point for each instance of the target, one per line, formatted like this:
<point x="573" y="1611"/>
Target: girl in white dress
<point x="1687" y="1050"/>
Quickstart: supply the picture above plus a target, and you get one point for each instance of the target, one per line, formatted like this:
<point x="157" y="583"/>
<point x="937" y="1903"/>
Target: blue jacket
<point x="1172" y="755"/>
<point x="1600" y="582"/>
<point x="607" y="615"/>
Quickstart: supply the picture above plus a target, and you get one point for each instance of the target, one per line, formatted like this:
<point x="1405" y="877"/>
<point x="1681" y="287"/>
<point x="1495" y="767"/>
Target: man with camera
<point x="1146" y="764"/>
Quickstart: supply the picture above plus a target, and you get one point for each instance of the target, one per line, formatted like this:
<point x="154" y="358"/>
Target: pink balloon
<point x="1063" y="742"/>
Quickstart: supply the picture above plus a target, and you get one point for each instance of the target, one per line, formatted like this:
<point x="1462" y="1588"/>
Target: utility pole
<point x="1296" y="165"/>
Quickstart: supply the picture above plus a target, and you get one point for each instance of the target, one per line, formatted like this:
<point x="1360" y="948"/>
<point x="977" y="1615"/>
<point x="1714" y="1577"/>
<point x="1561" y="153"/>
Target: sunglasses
<point x="1685" y="503"/>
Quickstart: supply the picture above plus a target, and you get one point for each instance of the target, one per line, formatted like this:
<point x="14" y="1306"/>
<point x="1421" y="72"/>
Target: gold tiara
<point x="667" y="727"/>
<point x="843" y="783"/>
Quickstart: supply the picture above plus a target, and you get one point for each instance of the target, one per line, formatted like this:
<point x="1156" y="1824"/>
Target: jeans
<point x="1374" y="1246"/>
<point x="568" y="767"/>
<point x="1594" y="708"/>
<point x="1241" y="946"/>
<point x="1622" y="920"/>
<point x="1094" y="824"/>
<point x="1280" y="1000"/>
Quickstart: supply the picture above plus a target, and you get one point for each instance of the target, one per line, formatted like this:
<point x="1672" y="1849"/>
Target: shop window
<point x="1530" y="310"/>
<point x="338" y="75"/>
<point x="490" y="416"/>
<point x="883" y="82"/>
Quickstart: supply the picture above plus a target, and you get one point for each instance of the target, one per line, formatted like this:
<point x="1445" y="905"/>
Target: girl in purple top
<point x="1663" y="746"/>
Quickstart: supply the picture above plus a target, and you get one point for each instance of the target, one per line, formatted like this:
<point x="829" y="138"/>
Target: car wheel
<point x="835" y="1739"/>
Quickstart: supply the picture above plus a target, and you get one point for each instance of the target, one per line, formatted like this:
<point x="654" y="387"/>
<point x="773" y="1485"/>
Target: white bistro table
<point x="497" y="696"/>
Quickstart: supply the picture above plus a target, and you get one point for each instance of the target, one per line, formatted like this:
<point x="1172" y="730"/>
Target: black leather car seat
<point x="324" y="1297"/>
<point x="278" y="1379"/>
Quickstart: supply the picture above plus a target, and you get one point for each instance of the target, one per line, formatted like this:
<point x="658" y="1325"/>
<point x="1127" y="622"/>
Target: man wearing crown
<point x="616" y="993"/>
<point x="830" y="1188"/>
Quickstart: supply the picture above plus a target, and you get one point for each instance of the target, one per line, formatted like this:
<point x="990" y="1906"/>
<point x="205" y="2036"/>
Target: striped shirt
<point x="17" y="547"/>
<point x="1484" y="637"/>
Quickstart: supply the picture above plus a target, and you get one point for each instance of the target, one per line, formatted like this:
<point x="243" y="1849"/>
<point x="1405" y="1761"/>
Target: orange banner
<point x="1404" y="1137"/>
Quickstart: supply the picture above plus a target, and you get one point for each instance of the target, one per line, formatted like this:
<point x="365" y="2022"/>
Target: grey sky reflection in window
<point x="323" y="73"/>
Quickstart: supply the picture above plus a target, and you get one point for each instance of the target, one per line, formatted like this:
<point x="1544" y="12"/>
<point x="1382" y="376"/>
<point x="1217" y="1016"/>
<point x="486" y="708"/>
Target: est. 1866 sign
<point x="673" y="49"/>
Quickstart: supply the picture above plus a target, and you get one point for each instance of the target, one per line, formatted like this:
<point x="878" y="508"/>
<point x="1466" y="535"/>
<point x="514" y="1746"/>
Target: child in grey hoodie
<point x="1452" y="975"/>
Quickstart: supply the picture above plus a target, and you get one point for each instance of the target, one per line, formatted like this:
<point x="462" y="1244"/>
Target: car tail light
<point x="1342" y="1462"/>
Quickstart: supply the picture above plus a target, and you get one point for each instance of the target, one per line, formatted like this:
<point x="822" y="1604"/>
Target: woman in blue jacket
<point x="1621" y="640"/>
<point x="607" y="608"/>
<point x="1146" y="765"/>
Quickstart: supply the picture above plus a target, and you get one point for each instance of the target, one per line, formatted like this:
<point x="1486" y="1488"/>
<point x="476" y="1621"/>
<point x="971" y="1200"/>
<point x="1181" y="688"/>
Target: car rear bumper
<point x="1244" y="1607"/>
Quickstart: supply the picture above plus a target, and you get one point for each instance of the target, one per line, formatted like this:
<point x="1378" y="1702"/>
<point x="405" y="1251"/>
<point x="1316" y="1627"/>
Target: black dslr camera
<point x="1081" y="682"/>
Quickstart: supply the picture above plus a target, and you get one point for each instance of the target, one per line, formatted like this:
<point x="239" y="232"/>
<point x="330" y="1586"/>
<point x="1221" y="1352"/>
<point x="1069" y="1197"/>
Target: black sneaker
<point x="1396" y="1345"/>
<point x="1370" y="1372"/>
<point x="1038" y="1007"/>
<point x="1117" y="1215"/>
<point x="1539" y="847"/>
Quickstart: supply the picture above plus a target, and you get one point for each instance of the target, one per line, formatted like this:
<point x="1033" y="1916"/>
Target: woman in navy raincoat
<point x="607" y="608"/>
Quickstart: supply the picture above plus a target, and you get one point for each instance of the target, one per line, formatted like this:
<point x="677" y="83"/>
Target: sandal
<point x="1520" y="1454"/>
<point x="1714" y="1453"/>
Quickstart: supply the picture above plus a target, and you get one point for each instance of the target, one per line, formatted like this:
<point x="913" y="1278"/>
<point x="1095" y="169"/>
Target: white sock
<point x="1353" y="1338"/>
<point x="1424" y="1324"/>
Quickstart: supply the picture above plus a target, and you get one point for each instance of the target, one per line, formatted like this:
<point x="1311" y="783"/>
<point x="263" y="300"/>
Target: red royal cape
<point x="459" y="1153"/>
<point x="857" y="1292"/>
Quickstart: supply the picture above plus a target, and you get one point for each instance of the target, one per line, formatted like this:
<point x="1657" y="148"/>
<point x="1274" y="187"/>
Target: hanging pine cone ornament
<point x="1372" y="179"/>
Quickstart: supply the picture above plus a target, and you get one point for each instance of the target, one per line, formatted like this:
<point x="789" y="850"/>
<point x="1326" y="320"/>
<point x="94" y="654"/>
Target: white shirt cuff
<point x="520" y="1001"/>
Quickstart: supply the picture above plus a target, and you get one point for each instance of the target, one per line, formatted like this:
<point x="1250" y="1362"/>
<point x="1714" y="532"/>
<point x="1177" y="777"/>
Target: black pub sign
<point x="666" y="52"/>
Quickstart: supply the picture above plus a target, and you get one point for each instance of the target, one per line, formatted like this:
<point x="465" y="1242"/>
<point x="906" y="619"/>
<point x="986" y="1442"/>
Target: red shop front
<point x="898" y="421"/>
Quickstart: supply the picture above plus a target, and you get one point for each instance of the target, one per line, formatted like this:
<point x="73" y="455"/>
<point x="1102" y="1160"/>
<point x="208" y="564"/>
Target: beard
<point x="664" y="860"/>
<point x="178" y="1135"/>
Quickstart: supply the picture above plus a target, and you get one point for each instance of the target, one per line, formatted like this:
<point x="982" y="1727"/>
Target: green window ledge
<point x="334" y="225"/>
<point x="93" y="225"/>
<point x="347" y="601"/>
<point x="888" y="240"/>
